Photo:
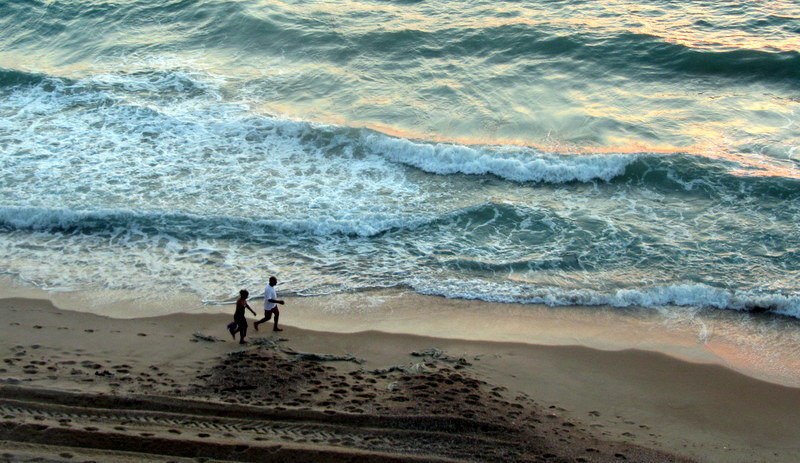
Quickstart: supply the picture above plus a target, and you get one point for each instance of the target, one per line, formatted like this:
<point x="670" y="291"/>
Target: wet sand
<point x="81" y="386"/>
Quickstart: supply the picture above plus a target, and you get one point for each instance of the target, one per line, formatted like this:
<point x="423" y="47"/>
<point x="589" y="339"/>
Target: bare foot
<point x="242" y="342"/>
<point x="277" y="329"/>
<point x="255" y="325"/>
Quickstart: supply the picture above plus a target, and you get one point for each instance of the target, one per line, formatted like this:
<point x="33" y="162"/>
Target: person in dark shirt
<point x="239" y="324"/>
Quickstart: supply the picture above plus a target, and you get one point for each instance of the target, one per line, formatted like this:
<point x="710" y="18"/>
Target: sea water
<point x="613" y="153"/>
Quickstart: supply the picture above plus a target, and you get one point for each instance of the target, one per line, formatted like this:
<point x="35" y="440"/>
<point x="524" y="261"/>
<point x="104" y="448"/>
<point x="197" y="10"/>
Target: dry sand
<point x="82" y="387"/>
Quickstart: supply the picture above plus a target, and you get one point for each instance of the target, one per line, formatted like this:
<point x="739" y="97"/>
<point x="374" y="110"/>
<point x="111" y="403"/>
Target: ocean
<point x="560" y="152"/>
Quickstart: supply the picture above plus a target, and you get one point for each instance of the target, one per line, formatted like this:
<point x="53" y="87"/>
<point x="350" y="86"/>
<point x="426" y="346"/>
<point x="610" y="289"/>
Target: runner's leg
<point x="267" y="316"/>
<point x="277" y="314"/>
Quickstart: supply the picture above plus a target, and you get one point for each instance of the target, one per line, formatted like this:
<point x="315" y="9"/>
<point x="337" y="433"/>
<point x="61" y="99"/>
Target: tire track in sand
<point x="181" y="427"/>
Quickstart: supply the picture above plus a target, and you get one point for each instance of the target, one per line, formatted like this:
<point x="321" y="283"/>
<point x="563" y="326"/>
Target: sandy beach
<point x="82" y="387"/>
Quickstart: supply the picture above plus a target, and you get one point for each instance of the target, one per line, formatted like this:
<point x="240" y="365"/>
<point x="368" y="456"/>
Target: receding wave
<point x="681" y="295"/>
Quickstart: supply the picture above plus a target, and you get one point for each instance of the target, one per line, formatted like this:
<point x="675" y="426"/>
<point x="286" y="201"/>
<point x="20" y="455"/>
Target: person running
<point x="239" y="319"/>
<point x="271" y="302"/>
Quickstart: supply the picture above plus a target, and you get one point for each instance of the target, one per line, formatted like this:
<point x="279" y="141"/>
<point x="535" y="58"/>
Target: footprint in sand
<point x="141" y="334"/>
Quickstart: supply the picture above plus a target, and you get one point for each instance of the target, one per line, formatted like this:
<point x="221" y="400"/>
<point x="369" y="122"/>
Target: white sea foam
<point x="198" y="157"/>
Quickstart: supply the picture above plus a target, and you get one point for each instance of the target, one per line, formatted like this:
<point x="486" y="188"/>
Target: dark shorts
<point x="269" y="313"/>
<point x="240" y="322"/>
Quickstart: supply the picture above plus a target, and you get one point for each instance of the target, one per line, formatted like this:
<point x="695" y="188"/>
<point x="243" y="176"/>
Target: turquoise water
<point x="564" y="152"/>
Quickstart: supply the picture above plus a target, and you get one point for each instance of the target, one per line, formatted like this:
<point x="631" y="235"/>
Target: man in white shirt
<point x="271" y="302"/>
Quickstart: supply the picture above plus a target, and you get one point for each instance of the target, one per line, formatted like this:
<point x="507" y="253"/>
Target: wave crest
<point x="186" y="225"/>
<point x="516" y="165"/>
<point x="14" y="78"/>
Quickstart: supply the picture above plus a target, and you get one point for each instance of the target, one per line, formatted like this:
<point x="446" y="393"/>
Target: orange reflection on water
<point x="701" y="26"/>
<point x="718" y="40"/>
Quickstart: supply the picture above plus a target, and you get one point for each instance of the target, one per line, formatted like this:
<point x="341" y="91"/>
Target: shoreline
<point x="629" y="397"/>
<point x="758" y="345"/>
